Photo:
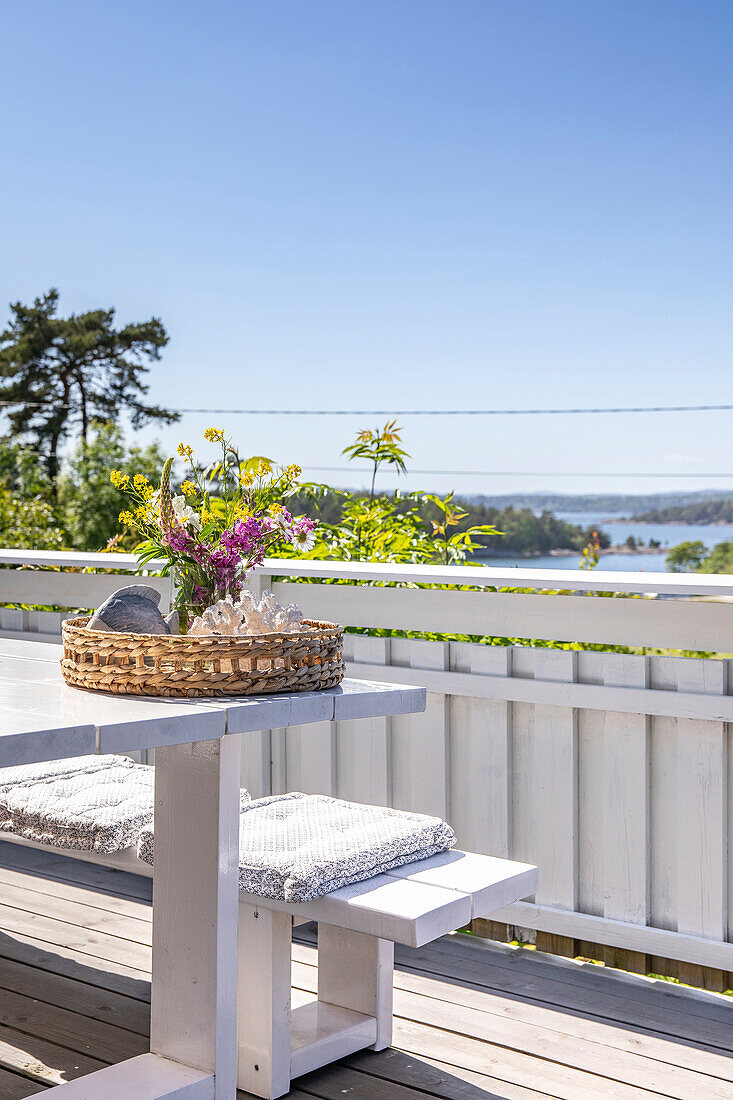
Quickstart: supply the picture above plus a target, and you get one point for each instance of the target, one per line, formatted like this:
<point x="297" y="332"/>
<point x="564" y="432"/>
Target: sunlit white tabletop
<point x="42" y="718"/>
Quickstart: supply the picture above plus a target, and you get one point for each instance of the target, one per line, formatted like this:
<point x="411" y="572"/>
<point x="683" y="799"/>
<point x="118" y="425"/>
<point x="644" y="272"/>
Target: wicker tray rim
<point x="314" y="628"/>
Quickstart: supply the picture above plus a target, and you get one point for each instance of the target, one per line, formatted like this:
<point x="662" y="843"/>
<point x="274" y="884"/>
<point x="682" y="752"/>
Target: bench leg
<point x="264" y="1001"/>
<point x="356" y="971"/>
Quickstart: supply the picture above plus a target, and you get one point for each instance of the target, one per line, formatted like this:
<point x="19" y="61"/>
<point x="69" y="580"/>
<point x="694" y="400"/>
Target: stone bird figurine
<point x="134" y="610"/>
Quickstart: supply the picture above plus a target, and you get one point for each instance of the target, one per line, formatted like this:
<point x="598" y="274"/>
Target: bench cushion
<point x="296" y="847"/>
<point x="90" y="803"/>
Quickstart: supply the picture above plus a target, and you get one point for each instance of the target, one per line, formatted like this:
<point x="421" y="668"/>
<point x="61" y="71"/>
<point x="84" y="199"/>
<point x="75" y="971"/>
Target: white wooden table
<point x="195" y="886"/>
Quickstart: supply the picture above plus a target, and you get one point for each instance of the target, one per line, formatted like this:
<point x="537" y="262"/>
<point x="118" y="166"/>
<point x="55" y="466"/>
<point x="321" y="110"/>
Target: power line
<point x="459" y="412"/>
<point x="515" y="473"/>
<point x="417" y="412"/>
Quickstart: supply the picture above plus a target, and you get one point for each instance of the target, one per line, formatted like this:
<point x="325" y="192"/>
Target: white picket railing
<point x="608" y="770"/>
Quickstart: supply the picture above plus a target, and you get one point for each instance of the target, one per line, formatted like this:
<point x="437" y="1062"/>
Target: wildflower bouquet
<point x="219" y="527"/>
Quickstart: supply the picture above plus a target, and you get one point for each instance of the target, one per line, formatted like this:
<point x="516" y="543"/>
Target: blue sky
<point x="401" y="204"/>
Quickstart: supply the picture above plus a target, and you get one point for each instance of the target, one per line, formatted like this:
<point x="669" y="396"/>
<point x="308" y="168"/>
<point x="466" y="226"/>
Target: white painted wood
<point x="519" y="689"/>
<point x="355" y="972"/>
<point x="491" y="883"/>
<point x="626" y="798"/>
<point x="576" y="580"/>
<point x="310" y="753"/>
<point x="147" y="1077"/>
<point x="556" y="787"/>
<point x="323" y="1033"/>
<point x="195" y="897"/>
<point x="86" y="590"/>
<point x="702" y="836"/>
<point x="481" y="755"/>
<point x="256" y="774"/>
<point x="661" y="623"/>
<point x="420" y="746"/>
<point x="364" y="748"/>
<point x="264" y="1001"/>
<point x="631" y="937"/>
<point x="409" y="913"/>
<point x="591" y="792"/>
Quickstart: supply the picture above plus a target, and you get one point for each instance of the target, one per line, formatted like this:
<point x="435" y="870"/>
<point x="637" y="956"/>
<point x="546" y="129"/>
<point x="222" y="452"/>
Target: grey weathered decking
<point x="472" y="1020"/>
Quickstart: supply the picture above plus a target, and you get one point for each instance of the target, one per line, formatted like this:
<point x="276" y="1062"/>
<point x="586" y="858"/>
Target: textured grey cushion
<point x="296" y="847"/>
<point x="89" y="803"/>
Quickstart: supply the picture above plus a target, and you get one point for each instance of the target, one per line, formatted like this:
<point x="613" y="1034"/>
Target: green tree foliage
<point x="28" y="524"/>
<point x="687" y="557"/>
<point x="398" y="527"/>
<point x="89" y="505"/>
<point x="719" y="560"/>
<point x="698" y="512"/>
<point x="58" y="374"/>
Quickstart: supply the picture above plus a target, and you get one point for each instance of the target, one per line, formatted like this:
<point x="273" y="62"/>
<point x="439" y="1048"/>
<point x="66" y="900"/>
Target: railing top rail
<point x="577" y="580"/>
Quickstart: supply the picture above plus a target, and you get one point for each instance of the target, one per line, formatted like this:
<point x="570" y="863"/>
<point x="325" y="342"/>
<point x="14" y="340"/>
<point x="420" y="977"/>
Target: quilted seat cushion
<point x="89" y="803"/>
<point x="296" y="847"/>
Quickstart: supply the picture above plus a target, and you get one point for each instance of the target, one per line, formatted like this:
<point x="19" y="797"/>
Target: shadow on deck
<point x="473" y="1020"/>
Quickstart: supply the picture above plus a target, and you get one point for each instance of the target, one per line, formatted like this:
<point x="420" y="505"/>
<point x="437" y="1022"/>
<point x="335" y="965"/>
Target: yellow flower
<point x="188" y="488"/>
<point x="206" y="516"/>
<point x="141" y="512"/>
<point x="184" y="450"/>
<point x="140" y="482"/>
<point x="247" y="479"/>
<point x="126" y="518"/>
<point x="275" y="509"/>
<point x="214" y="435"/>
<point x="118" y="479"/>
<point x="264" y="468"/>
<point x="292" y="472"/>
<point x="148" y="494"/>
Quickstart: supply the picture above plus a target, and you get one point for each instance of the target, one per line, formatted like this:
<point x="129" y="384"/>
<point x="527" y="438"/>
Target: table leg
<point x="195" y="908"/>
<point x="195" y="912"/>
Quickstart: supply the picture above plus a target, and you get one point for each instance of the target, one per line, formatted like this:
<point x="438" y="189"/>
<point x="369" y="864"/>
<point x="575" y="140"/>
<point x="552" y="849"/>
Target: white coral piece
<point x="248" y="616"/>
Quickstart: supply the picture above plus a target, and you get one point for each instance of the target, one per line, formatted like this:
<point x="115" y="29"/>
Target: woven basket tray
<point x="182" y="664"/>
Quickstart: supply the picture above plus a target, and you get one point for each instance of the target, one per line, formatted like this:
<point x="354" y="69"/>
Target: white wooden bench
<point x="358" y="924"/>
<point x="358" y="927"/>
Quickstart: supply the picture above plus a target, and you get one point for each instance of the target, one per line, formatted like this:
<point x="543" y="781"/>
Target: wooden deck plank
<point x="473" y="1021"/>
<point x="87" y="1000"/>
<point x="522" y="1012"/>
<point x="15" y="1087"/>
<point x="580" y="984"/>
<point x="437" y="1078"/>
<point x="73" y="963"/>
<point x="39" y="1060"/>
<point x="591" y="1054"/>
<point x="52" y="866"/>
<point x="78" y="913"/>
<point x="76" y="892"/>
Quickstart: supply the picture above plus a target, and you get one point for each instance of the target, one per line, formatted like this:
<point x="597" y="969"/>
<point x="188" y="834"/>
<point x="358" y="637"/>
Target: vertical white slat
<point x="664" y="737"/>
<point x="363" y="747"/>
<point x="278" y="758"/>
<point x="556" y="786"/>
<point x="702" y="811"/>
<point x="626" y="808"/>
<point x="591" y="791"/>
<point x="195" y="906"/>
<point x="257" y="763"/>
<point x="310" y="758"/>
<point x="480" y="755"/>
<point x="420" y="752"/>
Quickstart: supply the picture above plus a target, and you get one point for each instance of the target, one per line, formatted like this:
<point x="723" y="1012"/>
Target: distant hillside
<point x="698" y="512"/>
<point x="624" y="504"/>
